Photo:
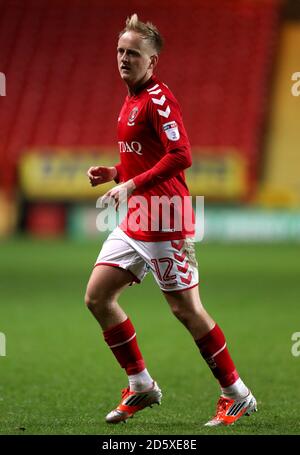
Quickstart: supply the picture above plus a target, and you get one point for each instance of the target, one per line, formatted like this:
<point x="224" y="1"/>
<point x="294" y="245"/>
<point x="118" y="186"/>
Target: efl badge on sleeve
<point x="171" y="130"/>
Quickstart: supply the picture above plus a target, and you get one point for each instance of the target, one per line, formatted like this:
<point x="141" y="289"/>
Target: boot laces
<point x="125" y="392"/>
<point x="221" y="406"/>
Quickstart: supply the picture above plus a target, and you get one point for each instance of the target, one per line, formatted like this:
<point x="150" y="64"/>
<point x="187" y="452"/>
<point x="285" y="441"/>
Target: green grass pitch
<point x="59" y="377"/>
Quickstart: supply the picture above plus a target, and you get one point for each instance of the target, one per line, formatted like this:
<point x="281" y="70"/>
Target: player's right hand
<point x="101" y="174"/>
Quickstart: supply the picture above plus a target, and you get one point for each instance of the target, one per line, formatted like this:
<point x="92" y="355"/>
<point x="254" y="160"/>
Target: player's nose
<point x="124" y="57"/>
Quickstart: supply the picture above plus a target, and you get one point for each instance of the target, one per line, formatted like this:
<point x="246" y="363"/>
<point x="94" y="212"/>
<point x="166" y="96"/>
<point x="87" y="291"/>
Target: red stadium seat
<point x="64" y="89"/>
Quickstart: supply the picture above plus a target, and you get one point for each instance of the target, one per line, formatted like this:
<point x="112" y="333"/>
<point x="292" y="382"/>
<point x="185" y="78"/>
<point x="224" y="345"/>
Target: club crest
<point x="132" y="116"/>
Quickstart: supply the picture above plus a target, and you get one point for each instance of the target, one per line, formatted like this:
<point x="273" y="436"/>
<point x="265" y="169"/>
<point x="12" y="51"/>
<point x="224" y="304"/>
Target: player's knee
<point x="183" y="313"/>
<point x="90" y="302"/>
<point x="178" y="311"/>
<point x="97" y="303"/>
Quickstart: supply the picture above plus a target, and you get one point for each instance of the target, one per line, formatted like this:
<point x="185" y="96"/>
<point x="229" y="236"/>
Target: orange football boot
<point x="133" y="402"/>
<point x="229" y="410"/>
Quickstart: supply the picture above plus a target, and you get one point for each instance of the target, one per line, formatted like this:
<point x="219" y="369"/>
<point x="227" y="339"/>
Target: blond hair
<point x="147" y="30"/>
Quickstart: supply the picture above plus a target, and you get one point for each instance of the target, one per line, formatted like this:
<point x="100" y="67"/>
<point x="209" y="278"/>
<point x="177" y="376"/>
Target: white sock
<point x="140" y="382"/>
<point x="236" y="390"/>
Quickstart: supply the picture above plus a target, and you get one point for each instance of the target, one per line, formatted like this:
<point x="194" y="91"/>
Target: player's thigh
<point x="117" y="266"/>
<point x="106" y="283"/>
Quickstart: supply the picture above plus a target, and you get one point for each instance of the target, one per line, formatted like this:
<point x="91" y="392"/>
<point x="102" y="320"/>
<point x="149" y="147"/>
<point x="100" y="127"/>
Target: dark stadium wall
<point x="292" y="10"/>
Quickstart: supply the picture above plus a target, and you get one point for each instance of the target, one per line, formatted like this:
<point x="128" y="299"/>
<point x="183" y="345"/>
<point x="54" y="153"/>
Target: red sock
<point x="213" y="349"/>
<point x="121" y="339"/>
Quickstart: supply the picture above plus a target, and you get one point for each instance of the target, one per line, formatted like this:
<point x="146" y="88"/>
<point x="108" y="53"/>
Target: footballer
<point x="154" y="152"/>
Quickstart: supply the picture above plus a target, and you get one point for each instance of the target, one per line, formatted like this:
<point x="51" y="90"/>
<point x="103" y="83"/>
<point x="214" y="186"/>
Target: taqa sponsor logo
<point x="131" y="147"/>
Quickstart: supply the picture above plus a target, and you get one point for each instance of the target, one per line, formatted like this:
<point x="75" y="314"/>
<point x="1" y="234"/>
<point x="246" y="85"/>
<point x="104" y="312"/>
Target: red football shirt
<point x="154" y="151"/>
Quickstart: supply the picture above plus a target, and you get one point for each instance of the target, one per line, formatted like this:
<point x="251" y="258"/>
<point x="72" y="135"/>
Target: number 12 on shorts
<point x="163" y="272"/>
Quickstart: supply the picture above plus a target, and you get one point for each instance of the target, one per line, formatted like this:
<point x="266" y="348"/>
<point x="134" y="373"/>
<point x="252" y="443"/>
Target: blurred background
<point x="234" y="66"/>
<point x="230" y="63"/>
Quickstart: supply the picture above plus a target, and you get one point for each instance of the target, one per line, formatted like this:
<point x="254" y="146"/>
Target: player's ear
<point x="153" y="61"/>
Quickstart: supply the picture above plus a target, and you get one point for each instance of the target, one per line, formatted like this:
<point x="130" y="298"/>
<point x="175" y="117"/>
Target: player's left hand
<point x="119" y="194"/>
